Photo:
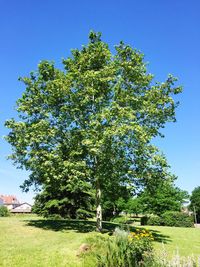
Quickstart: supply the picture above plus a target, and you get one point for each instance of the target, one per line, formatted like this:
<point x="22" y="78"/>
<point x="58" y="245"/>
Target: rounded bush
<point x="154" y="220"/>
<point x="178" y="219"/>
<point x="119" y="219"/>
<point x="4" y="212"/>
<point x="151" y="220"/>
<point x="123" y="249"/>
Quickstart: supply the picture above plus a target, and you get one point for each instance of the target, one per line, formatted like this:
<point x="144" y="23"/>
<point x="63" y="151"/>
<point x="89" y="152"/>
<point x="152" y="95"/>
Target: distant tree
<point x="134" y="205"/>
<point x="114" y="200"/>
<point x="166" y="197"/>
<point x="92" y="122"/>
<point x="4" y="212"/>
<point x="195" y="202"/>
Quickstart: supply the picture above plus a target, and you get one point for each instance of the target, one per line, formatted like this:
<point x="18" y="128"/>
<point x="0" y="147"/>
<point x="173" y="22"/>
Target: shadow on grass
<point x="82" y="226"/>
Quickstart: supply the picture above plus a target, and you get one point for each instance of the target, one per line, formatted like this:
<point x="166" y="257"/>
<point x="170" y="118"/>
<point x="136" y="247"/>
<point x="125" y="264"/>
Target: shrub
<point x="119" y="219"/>
<point x="169" y="218"/>
<point x="178" y="219"/>
<point x="4" y="212"/>
<point x="84" y="214"/>
<point x="127" y="249"/>
<point x="155" y="220"/>
<point x="123" y="249"/>
<point x="151" y="220"/>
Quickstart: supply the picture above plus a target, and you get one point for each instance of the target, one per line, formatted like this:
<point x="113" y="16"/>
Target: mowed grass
<point x="24" y="245"/>
<point x="31" y="241"/>
<point x="182" y="241"/>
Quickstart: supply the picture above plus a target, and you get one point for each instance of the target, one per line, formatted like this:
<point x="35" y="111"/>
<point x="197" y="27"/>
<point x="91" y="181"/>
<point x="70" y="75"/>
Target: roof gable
<point x="10" y="199"/>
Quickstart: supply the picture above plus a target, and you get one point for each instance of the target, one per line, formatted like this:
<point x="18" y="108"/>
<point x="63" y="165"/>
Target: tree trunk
<point x="99" y="210"/>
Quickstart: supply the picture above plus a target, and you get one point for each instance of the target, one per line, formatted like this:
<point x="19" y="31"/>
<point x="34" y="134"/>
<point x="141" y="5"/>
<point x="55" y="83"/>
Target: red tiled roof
<point x="10" y="199"/>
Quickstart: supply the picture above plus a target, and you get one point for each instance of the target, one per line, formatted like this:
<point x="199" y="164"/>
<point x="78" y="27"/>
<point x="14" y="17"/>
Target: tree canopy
<point x="166" y="197"/>
<point x="93" y="122"/>
<point x="195" y="203"/>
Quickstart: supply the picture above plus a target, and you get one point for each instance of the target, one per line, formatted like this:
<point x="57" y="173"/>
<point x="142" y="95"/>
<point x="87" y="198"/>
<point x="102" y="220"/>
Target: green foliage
<point x="144" y="220"/>
<point x="93" y="122"/>
<point x="151" y="220"/>
<point x="115" y="201"/>
<point x="124" y="249"/>
<point x="134" y="205"/>
<point x="178" y="219"/>
<point x="4" y="212"/>
<point x="169" y="218"/>
<point x="155" y="220"/>
<point x="119" y="219"/>
<point x="54" y="217"/>
<point x="84" y="214"/>
<point x="195" y="202"/>
<point x="165" y="197"/>
<point x="78" y="203"/>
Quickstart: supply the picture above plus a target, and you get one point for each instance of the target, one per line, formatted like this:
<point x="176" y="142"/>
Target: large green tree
<point x="68" y="201"/>
<point x="92" y="122"/>
<point x="165" y="197"/>
<point x="195" y="203"/>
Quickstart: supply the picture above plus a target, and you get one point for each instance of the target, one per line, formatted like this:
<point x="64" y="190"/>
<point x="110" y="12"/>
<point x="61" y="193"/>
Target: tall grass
<point x="163" y="259"/>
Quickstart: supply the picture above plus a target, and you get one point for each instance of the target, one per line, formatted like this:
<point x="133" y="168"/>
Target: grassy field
<point x="31" y="241"/>
<point x="184" y="241"/>
<point x="25" y="245"/>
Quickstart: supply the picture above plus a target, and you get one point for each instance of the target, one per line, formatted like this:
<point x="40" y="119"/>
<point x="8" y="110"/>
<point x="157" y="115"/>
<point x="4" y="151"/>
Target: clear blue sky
<point x="167" y="32"/>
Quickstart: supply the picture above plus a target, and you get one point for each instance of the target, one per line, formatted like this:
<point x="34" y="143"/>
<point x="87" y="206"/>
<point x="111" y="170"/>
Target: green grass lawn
<point x="31" y="241"/>
<point x="24" y="245"/>
<point x="184" y="241"/>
